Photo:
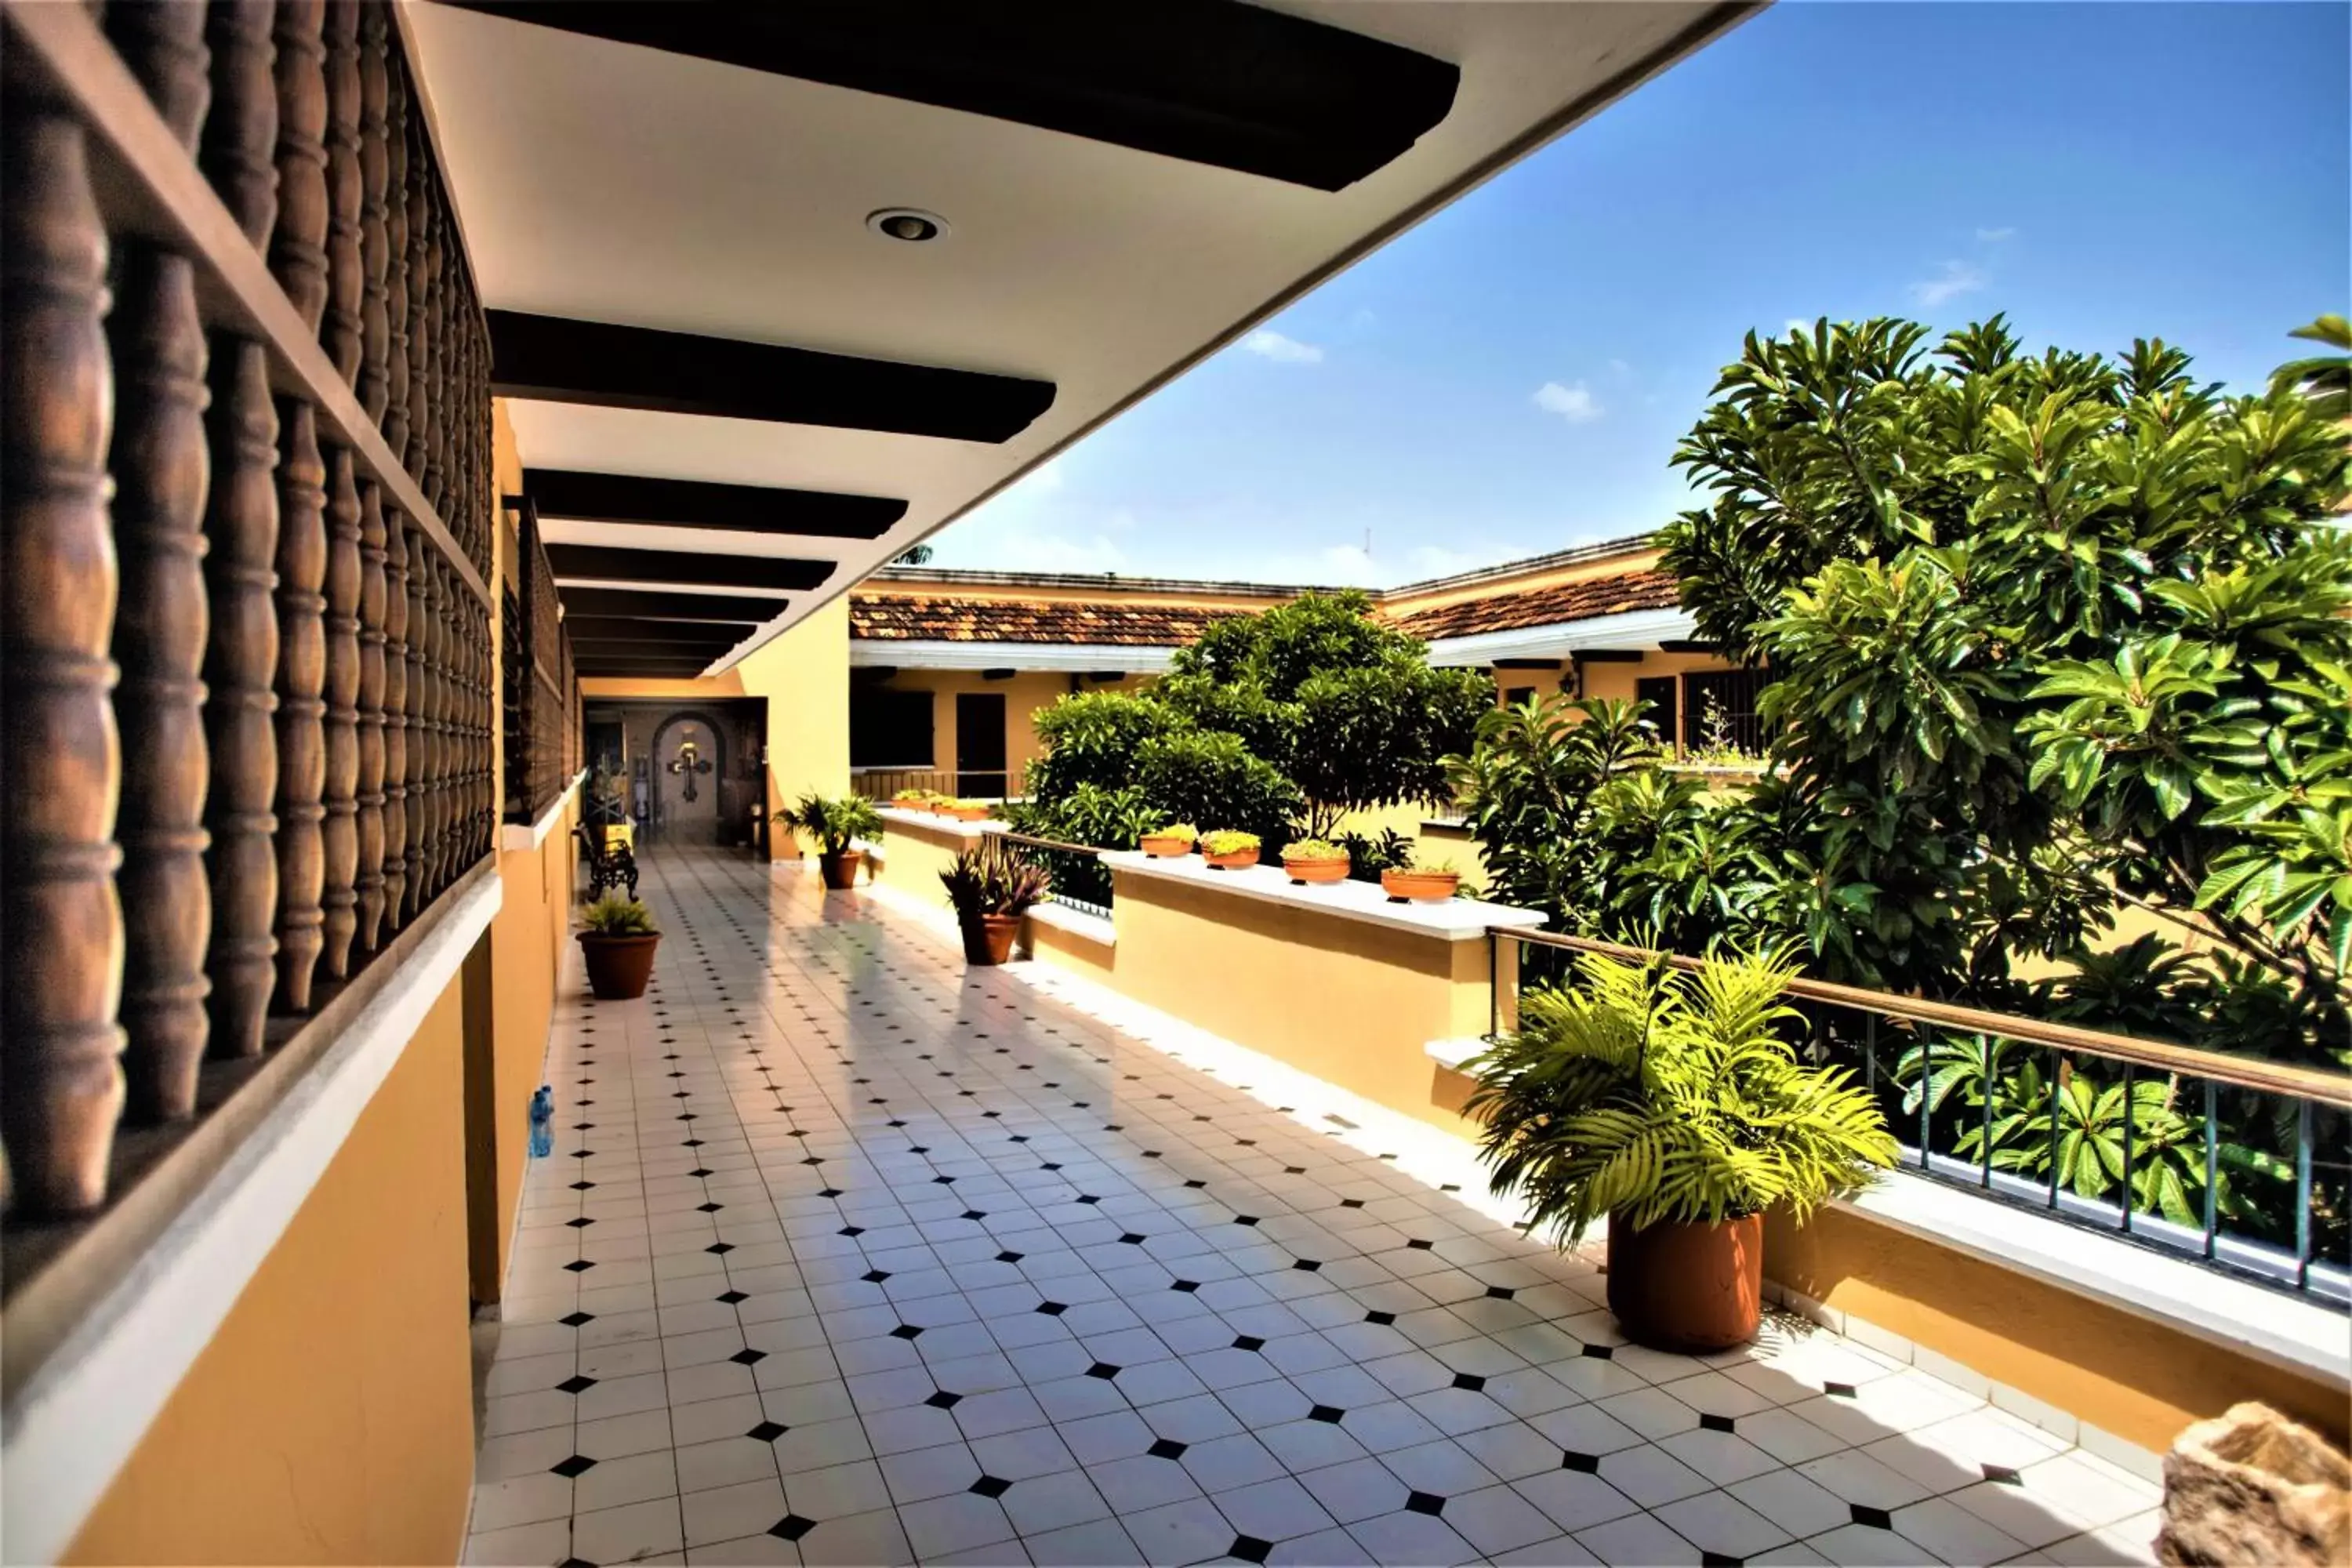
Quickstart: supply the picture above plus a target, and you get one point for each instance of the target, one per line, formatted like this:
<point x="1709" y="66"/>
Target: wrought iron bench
<point x="609" y="866"/>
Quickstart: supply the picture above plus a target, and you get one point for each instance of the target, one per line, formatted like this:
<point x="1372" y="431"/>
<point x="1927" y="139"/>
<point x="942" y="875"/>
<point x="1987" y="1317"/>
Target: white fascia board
<point x="1565" y="639"/>
<point x="1072" y="657"/>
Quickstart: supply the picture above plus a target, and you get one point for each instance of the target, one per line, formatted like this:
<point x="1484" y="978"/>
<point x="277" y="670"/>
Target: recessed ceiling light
<point x="909" y="224"/>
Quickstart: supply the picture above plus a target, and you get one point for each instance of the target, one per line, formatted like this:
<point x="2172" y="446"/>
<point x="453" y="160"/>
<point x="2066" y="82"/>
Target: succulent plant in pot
<point x="1166" y="843"/>
<point x="1314" y="860"/>
<point x="617" y="940"/>
<point x="1229" y="850"/>
<point x="834" y="826"/>
<point x="1674" y="1103"/>
<point x="991" y="886"/>
<point x="1431" y="884"/>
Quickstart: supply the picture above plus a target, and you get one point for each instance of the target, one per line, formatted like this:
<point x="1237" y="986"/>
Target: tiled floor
<point x="848" y="1255"/>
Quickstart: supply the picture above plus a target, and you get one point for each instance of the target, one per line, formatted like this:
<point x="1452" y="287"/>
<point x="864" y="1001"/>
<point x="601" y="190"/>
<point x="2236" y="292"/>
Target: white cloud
<point x="1043" y="480"/>
<point x="1052" y="552"/>
<point x="1273" y="345"/>
<point x="1995" y="235"/>
<point x="1619" y="367"/>
<point x="1797" y="324"/>
<point x="1955" y="277"/>
<point x="1573" y="403"/>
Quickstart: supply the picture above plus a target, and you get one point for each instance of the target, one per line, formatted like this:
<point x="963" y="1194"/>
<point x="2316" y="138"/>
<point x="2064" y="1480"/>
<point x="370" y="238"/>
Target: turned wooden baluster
<point x="368" y="785"/>
<point x="59" y="753"/>
<point x="161" y="470"/>
<point x="415" y="895"/>
<point x="298" y="245"/>
<point x="301" y="710"/>
<point x="346" y="265"/>
<point x="375" y="163"/>
<point x="239" y="149"/>
<point x="160" y="473"/>
<point x="483" y="696"/>
<point x="438" y="688"/>
<point x="395" y="720"/>
<point x="340" y="837"/>
<point x="434" y="480"/>
<point x="396" y="286"/>
<point x="420" y="406"/>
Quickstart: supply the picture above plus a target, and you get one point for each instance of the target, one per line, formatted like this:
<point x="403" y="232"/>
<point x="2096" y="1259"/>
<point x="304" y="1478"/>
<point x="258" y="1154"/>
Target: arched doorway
<point x="689" y="757"/>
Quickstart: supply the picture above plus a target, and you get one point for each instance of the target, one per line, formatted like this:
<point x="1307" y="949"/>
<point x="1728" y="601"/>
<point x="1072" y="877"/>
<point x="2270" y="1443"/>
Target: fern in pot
<point x="617" y="940"/>
<point x="1672" y="1102"/>
<point x="834" y="826"/>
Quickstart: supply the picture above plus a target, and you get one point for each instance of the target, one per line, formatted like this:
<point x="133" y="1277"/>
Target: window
<point x="889" y="729"/>
<point x="1658" y="691"/>
<point x="1723" y="703"/>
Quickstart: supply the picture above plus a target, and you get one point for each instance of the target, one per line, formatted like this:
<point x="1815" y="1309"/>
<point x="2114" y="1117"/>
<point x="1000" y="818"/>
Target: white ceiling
<point x="610" y="183"/>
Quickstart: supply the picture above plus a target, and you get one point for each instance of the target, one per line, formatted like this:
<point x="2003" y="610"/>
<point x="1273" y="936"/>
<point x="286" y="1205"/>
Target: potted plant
<point x="990" y="887"/>
<point x="965" y="810"/>
<point x="617" y="940"/>
<point x="834" y="826"/>
<point x="1671" y="1102"/>
<point x="1314" y="860"/>
<point x="911" y="799"/>
<point x="1431" y="884"/>
<point x="1229" y="850"/>
<point x="1168" y="842"/>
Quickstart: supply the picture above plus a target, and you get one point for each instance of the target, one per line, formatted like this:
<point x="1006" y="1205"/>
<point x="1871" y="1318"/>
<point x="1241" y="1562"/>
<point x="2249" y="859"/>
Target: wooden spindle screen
<point x="247" y="664"/>
<point x="540" y="740"/>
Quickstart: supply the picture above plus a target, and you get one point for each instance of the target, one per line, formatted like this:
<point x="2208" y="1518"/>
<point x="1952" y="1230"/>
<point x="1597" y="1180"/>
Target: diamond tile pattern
<point x="924" y="1346"/>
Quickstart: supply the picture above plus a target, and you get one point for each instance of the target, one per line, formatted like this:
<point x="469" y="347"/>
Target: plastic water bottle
<point x="543" y="1123"/>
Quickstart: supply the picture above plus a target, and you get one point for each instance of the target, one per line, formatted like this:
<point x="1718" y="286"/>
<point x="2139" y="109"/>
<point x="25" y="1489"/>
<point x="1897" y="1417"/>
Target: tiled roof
<point x="1577" y="601"/>
<point x="891" y="617"/>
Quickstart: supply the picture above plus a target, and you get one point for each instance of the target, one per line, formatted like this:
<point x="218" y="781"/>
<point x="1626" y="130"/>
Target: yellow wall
<point x="804" y="676"/>
<point x="1348" y="1001"/>
<point x="330" y="1419"/>
<point x="913" y="856"/>
<point x="1026" y="694"/>
<point x="2120" y="1372"/>
<point x="528" y="943"/>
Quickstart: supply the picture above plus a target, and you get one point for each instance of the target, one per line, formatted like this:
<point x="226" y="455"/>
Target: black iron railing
<point x="1080" y="879"/>
<point x="2237" y="1163"/>
<point x="881" y="783"/>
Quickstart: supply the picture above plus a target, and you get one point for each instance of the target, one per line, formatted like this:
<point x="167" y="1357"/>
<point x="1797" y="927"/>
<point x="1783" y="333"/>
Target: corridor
<point x="846" y="1255"/>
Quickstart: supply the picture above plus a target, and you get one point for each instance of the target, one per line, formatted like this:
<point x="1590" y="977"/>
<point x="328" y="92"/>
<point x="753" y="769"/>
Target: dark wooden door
<point x="1658" y="691"/>
<point x="980" y="745"/>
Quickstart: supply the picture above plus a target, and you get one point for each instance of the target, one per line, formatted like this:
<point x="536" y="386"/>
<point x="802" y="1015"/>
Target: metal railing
<point x="1080" y="879"/>
<point x="881" y="783"/>
<point x="2237" y="1163"/>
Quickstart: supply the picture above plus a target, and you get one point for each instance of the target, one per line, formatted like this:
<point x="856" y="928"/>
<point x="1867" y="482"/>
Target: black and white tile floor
<point x="848" y="1255"/>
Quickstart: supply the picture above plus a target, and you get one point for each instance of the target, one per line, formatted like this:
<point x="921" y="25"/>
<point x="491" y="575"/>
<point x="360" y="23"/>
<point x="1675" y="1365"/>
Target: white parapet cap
<point x="1565" y="639"/>
<point x="1451" y="919"/>
<point x="1072" y="658"/>
<point x="953" y="828"/>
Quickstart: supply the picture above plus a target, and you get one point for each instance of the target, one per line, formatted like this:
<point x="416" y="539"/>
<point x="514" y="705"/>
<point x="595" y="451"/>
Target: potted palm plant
<point x="617" y="940"/>
<point x="990" y="887"/>
<point x="1168" y="842"/>
<point x="1672" y="1102"/>
<point x="1314" y="860"/>
<point x="1229" y="850"/>
<point x="834" y="826"/>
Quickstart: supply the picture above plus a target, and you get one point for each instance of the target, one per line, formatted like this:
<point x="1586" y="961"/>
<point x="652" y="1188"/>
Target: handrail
<point x="2239" y="1072"/>
<point x="1010" y="838"/>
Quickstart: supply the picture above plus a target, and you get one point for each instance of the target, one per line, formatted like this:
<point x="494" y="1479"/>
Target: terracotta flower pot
<point x="1687" y="1287"/>
<point x="1419" y="886"/>
<point x="618" y="966"/>
<point x="989" y="940"/>
<point x="1166" y="846"/>
<point x="1239" y="860"/>
<point x="1316" y="870"/>
<point x="966" y="812"/>
<point x="840" y="870"/>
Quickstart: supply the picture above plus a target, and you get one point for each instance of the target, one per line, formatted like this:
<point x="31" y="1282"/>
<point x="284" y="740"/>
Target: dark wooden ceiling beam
<point x="557" y="360"/>
<point x="1209" y="81"/>
<point x="669" y="606"/>
<point x="694" y="503"/>
<point x="601" y="563"/>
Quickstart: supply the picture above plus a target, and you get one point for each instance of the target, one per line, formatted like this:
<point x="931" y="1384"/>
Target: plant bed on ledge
<point x="617" y="940"/>
<point x="1314" y="860"/>
<point x="1168" y="842"/>
<point x="1228" y="850"/>
<point x="1671" y="1102"/>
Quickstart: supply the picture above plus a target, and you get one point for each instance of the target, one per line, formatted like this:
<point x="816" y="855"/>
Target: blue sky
<point x="1511" y="376"/>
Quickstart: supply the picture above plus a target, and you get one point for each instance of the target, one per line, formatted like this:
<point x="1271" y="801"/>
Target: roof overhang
<point x="1077" y="658"/>
<point x="1565" y="639"/>
<point x="666" y="207"/>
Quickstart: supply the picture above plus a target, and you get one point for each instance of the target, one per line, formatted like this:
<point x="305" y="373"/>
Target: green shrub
<point x="1199" y="776"/>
